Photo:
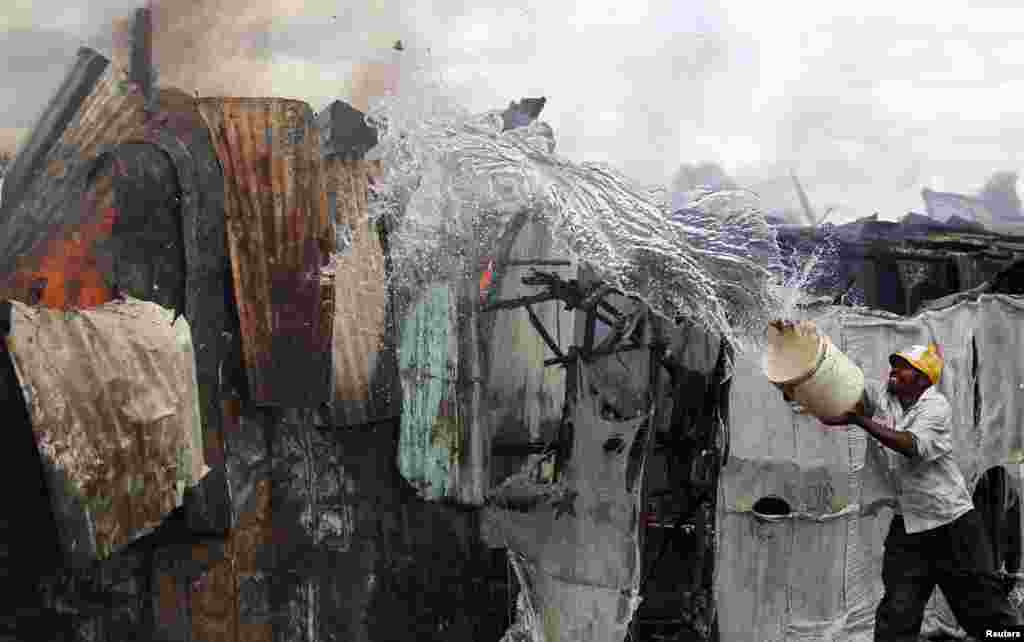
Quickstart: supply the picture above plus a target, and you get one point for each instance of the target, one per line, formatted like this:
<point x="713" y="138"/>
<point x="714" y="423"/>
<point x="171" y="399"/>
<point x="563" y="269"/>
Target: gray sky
<point x="869" y="101"/>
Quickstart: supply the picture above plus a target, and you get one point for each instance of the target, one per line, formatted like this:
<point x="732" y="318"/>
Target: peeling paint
<point x="430" y="429"/>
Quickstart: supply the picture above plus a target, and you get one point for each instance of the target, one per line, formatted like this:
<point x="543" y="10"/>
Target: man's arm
<point x="902" y="441"/>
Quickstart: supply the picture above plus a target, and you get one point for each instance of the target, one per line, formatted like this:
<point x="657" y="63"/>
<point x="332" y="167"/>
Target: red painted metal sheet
<point x="279" y="240"/>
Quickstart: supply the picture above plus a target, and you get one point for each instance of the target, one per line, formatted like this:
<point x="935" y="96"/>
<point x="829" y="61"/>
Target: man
<point x="937" y="536"/>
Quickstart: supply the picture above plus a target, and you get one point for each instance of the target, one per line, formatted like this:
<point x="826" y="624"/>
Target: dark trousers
<point x="958" y="558"/>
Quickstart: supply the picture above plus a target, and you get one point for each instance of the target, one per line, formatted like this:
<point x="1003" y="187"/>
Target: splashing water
<point x="801" y="273"/>
<point x="453" y="181"/>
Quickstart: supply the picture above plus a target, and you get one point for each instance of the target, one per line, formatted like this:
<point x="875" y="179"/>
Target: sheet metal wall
<point x="279" y="239"/>
<point x="364" y="379"/>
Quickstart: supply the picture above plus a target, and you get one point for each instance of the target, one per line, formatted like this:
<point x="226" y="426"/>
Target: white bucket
<point x="812" y="370"/>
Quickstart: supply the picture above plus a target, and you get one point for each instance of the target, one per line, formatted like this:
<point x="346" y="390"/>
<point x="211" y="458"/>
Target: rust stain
<point x="277" y="234"/>
<point x="360" y="297"/>
<point x="216" y="606"/>
<point x="48" y="251"/>
<point x="65" y="272"/>
<point x="112" y="411"/>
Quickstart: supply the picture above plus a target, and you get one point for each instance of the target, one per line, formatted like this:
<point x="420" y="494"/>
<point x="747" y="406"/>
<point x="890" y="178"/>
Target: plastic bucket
<point x="834" y="388"/>
<point x="794" y="352"/>
<point x="827" y="384"/>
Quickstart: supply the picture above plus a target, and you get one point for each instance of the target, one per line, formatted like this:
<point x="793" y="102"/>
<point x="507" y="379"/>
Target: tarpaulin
<point x="112" y="396"/>
<point x="815" y="573"/>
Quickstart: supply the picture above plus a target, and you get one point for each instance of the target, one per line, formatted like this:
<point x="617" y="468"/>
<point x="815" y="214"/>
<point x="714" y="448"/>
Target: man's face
<point x="903" y="377"/>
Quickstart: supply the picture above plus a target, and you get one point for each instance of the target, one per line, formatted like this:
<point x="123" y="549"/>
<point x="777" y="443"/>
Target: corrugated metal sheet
<point x="363" y="372"/>
<point x="279" y="240"/>
<point x="432" y="428"/>
<point x="47" y="216"/>
<point x="112" y="397"/>
<point x="129" y="238"/>
<point x="48" y="248"/>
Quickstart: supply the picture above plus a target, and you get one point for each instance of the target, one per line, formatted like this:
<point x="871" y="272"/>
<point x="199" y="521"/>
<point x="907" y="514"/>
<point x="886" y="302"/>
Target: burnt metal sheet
<point x="82" y="75"/>
<point x="228" y="600"/>
<point x="51" y="203"/>
<point x="111" y="393"/>
<point x="522" y="399"/>
<point x="64" y="242"/>
<point x="279" y="240"/>
<point x="592" y="510"/>
<point x="129" y="240"/>
<point x="219" y="590"/>
<point x="363" y="369"/>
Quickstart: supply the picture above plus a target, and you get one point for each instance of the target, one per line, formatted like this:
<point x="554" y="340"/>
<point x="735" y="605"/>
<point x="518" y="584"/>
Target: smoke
<point x="644" y="86"/>
<point x="215" y="47"/>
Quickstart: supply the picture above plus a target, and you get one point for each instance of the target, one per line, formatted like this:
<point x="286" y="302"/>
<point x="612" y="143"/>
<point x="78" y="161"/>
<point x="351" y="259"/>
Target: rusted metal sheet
<point x="51" y="205"/>
<point x="228" y="599"/>
<point x="111" y="393"/>
<point x="279" y="240"/>
<point x="83" y="74"/>
<point x="220" y="589"/>
<point x="128" y="188"/>
<point x="363" y="368"/>
<point x="129" y="241"/>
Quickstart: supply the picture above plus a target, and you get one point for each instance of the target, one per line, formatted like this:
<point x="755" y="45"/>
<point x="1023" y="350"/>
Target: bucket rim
<point x="823" y="344"/>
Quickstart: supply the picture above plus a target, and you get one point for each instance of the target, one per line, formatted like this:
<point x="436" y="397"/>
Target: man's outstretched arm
<point x="901" y="441"/>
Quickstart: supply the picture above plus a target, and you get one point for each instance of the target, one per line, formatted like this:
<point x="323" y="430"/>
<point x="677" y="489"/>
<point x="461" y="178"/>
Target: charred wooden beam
<point x="566" y="429"/>
<point x="539" y="327"/>
<point x="520" y="449"/>
<point x="140" y="70"/>
<point x="575" y="353"/>
<point x="535" y="262"/>
<point x="511" y="304"/>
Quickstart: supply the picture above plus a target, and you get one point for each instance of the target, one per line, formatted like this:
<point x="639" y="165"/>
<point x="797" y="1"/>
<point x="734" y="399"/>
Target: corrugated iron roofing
<point x="67" y="210"/>
<point x="112" y="398"/>
<point x="363" y="369"/>
<point x="50" y="205"/>
<point x="279" y="240"/>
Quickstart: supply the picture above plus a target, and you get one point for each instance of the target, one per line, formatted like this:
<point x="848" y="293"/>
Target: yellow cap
<point x="926" y="359"/>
